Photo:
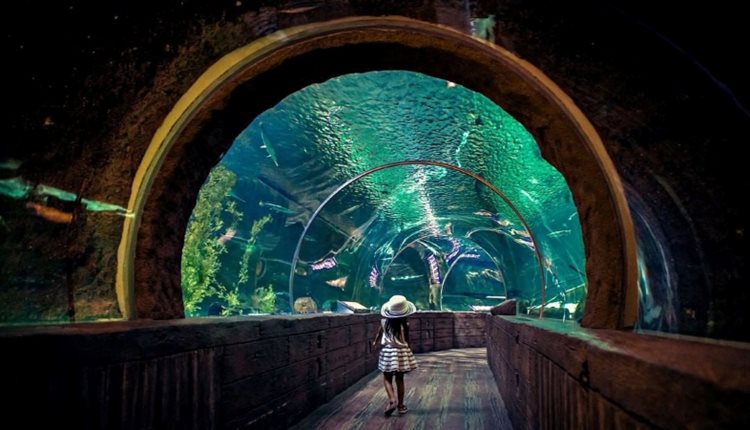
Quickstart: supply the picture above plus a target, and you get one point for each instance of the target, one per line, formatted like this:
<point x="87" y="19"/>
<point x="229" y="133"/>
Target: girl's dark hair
<point x="398" y="327"/>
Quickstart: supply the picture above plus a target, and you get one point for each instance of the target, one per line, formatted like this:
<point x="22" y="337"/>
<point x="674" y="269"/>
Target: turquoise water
<point x="437" y="236"/>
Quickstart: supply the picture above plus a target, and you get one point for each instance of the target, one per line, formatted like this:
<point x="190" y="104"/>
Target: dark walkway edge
<point x="452" y="389"/>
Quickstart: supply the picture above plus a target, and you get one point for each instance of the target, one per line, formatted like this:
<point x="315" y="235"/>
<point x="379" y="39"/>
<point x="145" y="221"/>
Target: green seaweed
<point x="250" y="249"/>
<point x="264" y="299"/>
<point x="216" y="215"/>
<point x="201" y="252"/>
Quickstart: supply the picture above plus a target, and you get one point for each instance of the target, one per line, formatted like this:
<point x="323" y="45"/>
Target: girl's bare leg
<point x="388" y="383"/>
<point x="400" y="387"/>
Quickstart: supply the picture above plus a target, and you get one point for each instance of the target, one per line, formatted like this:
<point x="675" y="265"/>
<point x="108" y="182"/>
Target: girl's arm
<point x="377" y="336"/>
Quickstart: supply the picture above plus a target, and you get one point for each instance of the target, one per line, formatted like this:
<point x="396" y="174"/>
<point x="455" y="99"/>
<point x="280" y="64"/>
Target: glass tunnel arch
<point x="458" y="257"/>
<point x="262" y="136"/>
<point x="468" y="173"/>
<point x="406" y="245"/>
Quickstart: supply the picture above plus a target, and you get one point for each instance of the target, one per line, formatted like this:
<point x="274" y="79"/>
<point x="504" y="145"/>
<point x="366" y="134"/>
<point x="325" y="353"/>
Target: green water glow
<point x="413" y="222"/>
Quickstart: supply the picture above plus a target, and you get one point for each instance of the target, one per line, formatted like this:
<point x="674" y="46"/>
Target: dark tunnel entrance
<point x="241" y="86"/>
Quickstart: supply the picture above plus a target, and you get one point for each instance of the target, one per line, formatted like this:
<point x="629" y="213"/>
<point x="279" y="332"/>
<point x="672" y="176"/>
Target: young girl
<point x="396" y="357"/>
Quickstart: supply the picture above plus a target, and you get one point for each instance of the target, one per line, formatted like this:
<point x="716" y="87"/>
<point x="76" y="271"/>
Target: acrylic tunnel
<point x="381" y="183"/>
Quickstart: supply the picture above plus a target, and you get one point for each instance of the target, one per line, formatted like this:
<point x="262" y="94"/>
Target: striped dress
<point x="395" y="356"/>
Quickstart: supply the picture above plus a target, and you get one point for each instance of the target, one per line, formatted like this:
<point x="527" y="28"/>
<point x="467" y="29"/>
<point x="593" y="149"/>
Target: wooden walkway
<point x="452" y="389"/>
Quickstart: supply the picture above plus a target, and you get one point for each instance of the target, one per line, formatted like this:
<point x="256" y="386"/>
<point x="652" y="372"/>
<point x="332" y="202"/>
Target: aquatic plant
<point x="250" y="250"/>
<point x="201" y="251"/>
<point x="264" y="300"/>
<point x="214" y="222"/>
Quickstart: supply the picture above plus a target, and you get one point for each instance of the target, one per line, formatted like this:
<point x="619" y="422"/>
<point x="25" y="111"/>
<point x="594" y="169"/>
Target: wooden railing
<point x="203" y="373"/>
<point x="556" y="375"/>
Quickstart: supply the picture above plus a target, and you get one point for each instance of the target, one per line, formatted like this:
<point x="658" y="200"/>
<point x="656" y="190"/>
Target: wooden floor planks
<point x="452" y="389"/>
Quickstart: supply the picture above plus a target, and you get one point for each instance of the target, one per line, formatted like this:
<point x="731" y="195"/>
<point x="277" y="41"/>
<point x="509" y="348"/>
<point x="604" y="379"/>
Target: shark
<point x="267" y="146"/>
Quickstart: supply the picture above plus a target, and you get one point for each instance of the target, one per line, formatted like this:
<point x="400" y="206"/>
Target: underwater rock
<point x="305" y="305"/>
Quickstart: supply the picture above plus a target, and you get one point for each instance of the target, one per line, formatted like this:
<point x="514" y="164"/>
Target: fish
<point x="10" y="164"/>
<point x="15" y="188"/>
<point x="464" y="140"/>
<point x="267" y="146"/>
<point x="326" y="263"/>
<point x="522" y="233"/>
<point x="265" y="240"/>
<point x="558" y="233"/>
<point x="524" y="242"/>
<point x="501" y="222"/>
<point x="357" y="233"/>
<point x="46" y="190"/>
<point x="526" y="193"/>
<point x="338" y="283"/>
<point x="19" y="188"/>
<point x="234" y="195"/>
<point x="50" y="214"/>
<point x="492" y="274"/>
<point x="276" y="208"/>
<point x="351" y="209"/>
<point x="298" y="9"/>
<point x="97" y="206"/>
<point x="227" y="236"/>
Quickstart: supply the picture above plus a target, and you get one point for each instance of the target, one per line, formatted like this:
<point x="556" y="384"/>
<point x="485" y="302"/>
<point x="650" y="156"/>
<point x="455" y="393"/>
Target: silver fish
<point x="276" y="208"/>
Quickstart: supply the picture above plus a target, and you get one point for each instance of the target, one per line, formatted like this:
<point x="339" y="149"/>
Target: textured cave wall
<point x="670" y="128"/>
<point x="92" y="83"/>
<point x="671" y="131"/>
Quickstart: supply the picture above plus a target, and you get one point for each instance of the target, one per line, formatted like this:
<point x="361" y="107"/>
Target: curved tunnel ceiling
<point x="241" y="85"/>
<point x="293" y="156"/>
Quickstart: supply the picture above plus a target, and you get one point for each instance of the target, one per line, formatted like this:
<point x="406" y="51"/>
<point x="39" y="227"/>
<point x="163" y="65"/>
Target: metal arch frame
<point x="396" y="255"/>
<point x="448" y="271"/>
<point x="407" y="243"/>
<point x="419" y="163"/>
<point x="455" y="262"/>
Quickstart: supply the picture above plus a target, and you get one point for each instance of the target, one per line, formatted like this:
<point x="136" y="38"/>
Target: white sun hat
<point x="397" y="307"/>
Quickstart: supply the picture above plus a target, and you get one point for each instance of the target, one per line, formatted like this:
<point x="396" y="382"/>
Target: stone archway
<point x="250" y="80"/>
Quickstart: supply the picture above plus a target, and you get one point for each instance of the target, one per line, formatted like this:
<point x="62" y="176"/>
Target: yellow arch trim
<point x="219" y="73"/>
